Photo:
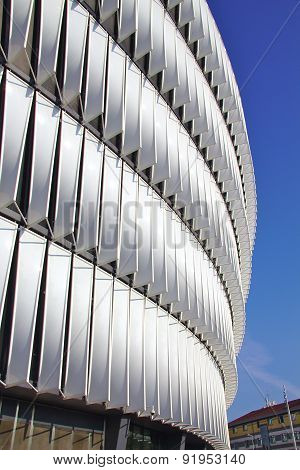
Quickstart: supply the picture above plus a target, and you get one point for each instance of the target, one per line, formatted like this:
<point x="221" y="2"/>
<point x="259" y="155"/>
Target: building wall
<point x="128" y="209"/>
<point x="278" y="428"/>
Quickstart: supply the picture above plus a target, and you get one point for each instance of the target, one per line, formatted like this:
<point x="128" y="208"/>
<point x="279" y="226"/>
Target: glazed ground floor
<point x="30" y="423"/>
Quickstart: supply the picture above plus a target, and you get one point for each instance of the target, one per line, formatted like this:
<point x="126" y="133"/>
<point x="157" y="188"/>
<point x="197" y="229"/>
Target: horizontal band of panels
<point x="140" y="234"/>
<point x="198" y="27"/>
<point x="78" y="331"/>
<point x="171" y="56"/>
<point x="63" y="135"/>
<point x="209" y="126"/>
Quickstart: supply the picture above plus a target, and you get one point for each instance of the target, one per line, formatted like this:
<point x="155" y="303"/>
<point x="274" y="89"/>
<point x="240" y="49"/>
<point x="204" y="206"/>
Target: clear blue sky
<point x="259" y="31"/>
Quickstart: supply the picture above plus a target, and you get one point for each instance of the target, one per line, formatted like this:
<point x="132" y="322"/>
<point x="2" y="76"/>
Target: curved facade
<point x="128" y="210"/>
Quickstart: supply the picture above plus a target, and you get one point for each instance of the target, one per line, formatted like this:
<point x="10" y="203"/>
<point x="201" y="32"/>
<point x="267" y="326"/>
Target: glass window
<point x="81" y="439"/>
<point x="281" y="419"/>
<point x="62" y="439"/>
<point x="6" y="432"/>
<point x="41" y="436"/>
<point x="270" y="421"/>
<point x="245" y="427"/>
<point x="21" y="439"/>
<point x="96" y="441"/>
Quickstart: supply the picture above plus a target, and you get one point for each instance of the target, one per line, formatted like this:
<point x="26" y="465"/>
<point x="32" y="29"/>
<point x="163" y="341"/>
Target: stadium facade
<point x="128" y="215"/>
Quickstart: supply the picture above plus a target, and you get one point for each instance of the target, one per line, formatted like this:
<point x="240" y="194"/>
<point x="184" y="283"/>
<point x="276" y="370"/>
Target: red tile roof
<point x="266" y="412"/>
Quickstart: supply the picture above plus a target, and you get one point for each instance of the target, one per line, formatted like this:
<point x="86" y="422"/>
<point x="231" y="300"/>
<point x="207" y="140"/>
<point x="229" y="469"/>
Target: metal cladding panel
<point x="172" y="293"/>
<point x="110" y="209"/>
<point x="192" y="108"/>
<point x="29" y="272"/>
<point x="158" y="60"/>
<point x="89" y="206"/>
<point x="17" y="106"/>
<point x="128" y="258"/>
<point x="96" y="69"/>
<point x="183" y="375"/>
<point x="196" y="30"/>
<point x="108" y="8"/>
<point x="144" y="274"/>
<point x="198" y="382"/>
<point x="57" y="288"/>
<point x="79" y="329"/>
<point x="170" y="77"/>
<point x="174" y="369"/>
<point x="119" y="348"/>
<point x="77" y="20"/>
<point x="194" y="209"/>
<point x="143" y="36"/>
<point x="45" y="135"/>
<point x="127" y="18"/>
<point x="174" y="183"/>
<point x="133" y="102"/>
<point x="98" y="389"/>
<point x="182" y="92"/>
<point x="191" y="344"/>
<point x="51" y="19"/>
<point x="192" y="272"/>
<point x="8" y="232"/>
<point x="147" y="154"/>
<point x="20" y="15"/>
<point x="69" y="161"/>
<point x="114" y="114"/>
<point x="184" y="197"/>
<point x="159" y="250"/>
<point x="186" y="12"/>
<point x="161" y="169"/>
<point x="164" y="384"/>
<point x="204" y="43"/>
<point x="150" y="357"/>
<point x="183" y="304"/>
<point x="173" y="3"/>
<point x="136" y="354"/>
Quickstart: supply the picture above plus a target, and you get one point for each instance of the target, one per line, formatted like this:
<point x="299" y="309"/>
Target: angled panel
<point x="133" y="103"/>
<point x="69" y="160"/>
<point x="51" y="19"/>
<point x="144" y="274"/>
<point x="57" y="288"/>
<point x="147" y="154"/>
<point x="77" y="20"/>
<point x="45" y="134"/>
<point x="17" y="106"/>
<point x="110" y="209"/>
<point x="79" y="330"/>
<point x="150" y="357"/>
<point x="29" y="273"/>
<point x="128" y="258"/>
<point x="127" y="18"/>
<point x="20" y="16"/>
<point x="136" y="360"/>
<point x="98" y="389"/>
<point x="96" y="69"/>
<point x="119" y="347"/>
<point x="89" y="204"/>
<point x="114" y="114"/>
<point x="143" y="36"/>
<point x="8" y="232"/>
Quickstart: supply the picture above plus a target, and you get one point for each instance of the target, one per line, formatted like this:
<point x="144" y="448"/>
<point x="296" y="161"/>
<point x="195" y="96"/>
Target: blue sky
<point x="262" y="38"/>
